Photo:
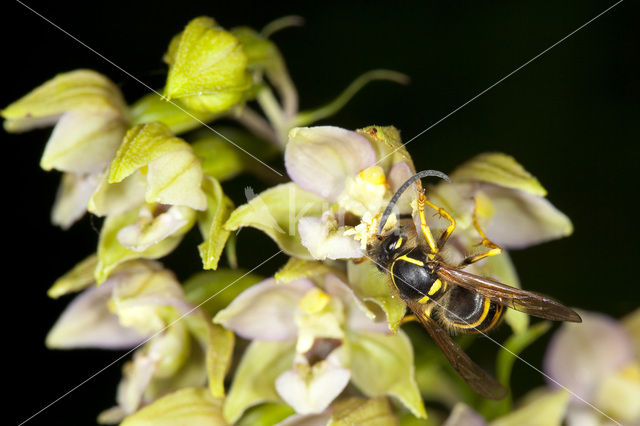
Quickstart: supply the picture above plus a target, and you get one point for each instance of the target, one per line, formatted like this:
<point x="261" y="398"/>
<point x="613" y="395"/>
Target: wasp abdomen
<point x="469" y="311"/>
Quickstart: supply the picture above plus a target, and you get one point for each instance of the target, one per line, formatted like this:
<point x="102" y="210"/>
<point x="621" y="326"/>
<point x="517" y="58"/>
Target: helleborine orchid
<point x="140" y="303"/>
<point x="308" y="342"/>
<point x="335" y="180"/>
<point x="90" y="117"/>
<point x="599" y="361"/>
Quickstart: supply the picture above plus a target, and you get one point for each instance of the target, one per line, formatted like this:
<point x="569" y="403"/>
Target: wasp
<point x="445" y="298"/>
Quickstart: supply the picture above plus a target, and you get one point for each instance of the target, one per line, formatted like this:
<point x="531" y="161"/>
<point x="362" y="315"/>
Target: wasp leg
<point x="494" y="249"/>
<point x="408" y="318"/>
<point x="435" y="247"/>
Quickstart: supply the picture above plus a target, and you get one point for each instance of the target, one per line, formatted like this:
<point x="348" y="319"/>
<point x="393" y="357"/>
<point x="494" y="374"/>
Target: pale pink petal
<point x="319" y="159"/>
<point x="137" y="375"/>
<point x="88" y="323"/>
<point x="522" y="219"/>
<point x="359" y="317"/>
<point x="581" y="356"/>
<point x="72" y="198"/>
<point x="84" y="141"/>
<point x="463" y="415"/>
<point x="324" y="242"/>
<point x="265" y="311"/>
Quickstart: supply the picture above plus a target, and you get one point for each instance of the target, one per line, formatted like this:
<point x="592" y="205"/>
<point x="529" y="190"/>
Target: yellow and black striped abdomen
<point x="469" y="312"/>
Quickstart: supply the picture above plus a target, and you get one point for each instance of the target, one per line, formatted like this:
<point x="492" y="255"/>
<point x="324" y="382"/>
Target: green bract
<point x="391" y="358"/>
<point x="207" y="67"/>
<point x="173" y="172"/>
<point x="254" y="380"/>
<point x="211" y="221"/>
<point x="189" y="407"/>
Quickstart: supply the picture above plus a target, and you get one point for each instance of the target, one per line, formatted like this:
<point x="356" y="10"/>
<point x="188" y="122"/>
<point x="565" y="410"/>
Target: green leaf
<point x="187" y="407"/>
<point x="208" y="289"/>
<point x="276" y="212"/>
<point x="544" y="409"/>
<point x="265" y="415"/>
<point x="304" y="118"/>
<point x="175" y="115"/>
<point x="220" y="159"/>
<point x="173" y="172"/>
<point x="211" y="221"/>
<point x="388" y="145"/>
<point x="207" y="67"/>
<point x="371" y="285"/>
<point x="75" y="90"/>
<point x="360" y="411"/>
<point x="254" y="381"/>
<point x="498" y="169"/>
<point x="111" y="253"/>
<point x="219" y="356"/>
<point x="391" y="357"/>
<point x="78" y="278"/>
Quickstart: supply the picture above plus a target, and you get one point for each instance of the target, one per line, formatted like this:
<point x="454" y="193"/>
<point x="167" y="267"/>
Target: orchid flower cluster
<point x="320" y="342"/>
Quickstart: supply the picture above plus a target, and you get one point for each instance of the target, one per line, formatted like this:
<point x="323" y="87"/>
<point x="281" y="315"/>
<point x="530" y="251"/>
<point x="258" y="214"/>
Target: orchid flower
<point x="90" y="117"/>
<point x="308" y="342"/>
<point x="139" y="303"/>
<point x="336" y="179"/>
<point x="599" y="362"/>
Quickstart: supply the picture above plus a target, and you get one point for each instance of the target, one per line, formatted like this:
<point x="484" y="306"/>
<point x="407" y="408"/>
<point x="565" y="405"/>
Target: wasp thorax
<point x="413" y="279"/>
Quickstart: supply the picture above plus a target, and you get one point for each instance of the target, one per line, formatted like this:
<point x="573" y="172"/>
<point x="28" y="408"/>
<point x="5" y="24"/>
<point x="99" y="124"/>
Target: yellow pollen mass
<point x="314" y="301"/>
<point x="373" y="175"/>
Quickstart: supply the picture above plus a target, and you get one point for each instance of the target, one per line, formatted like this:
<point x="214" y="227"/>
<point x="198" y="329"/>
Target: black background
<point x="570" y="117"/>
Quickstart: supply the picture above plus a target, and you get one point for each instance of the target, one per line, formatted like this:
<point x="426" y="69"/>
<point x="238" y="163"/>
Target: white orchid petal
<point x="265" y="311"/>
<point x="319" y="159"/>
<point x="581" y="356"/>
<point x="311" y="389"/>
<point x="324" y="242"/>
<point x="88" y="323"/>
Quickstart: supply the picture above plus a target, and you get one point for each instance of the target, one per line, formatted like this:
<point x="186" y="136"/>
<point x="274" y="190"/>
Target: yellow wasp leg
<point x="426" y="231"/>
<point x="422" y="201"/>
<point x="494" y="249"/>
<point x="408" y="318"/>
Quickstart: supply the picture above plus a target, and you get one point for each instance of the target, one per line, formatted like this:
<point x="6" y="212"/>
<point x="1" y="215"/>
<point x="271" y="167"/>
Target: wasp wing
<point x="478" y="379"/>
<point x="521" y="300"/>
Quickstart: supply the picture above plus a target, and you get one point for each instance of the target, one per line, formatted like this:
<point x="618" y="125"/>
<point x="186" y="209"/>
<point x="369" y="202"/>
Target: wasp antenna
<point x="400" y="191"/>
